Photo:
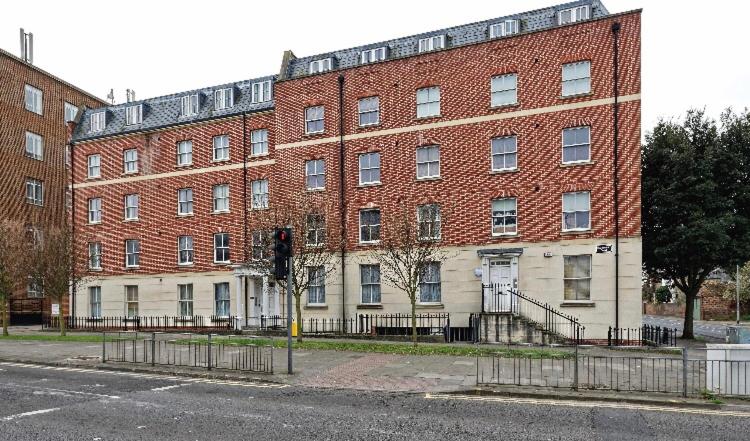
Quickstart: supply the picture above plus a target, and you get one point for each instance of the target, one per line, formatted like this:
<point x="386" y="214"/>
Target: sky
<point x="692" y="52"/>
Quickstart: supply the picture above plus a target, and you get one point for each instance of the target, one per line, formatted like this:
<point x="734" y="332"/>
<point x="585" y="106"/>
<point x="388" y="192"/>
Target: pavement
<point x="712" y="330"/>
<point x="61" y="403"/>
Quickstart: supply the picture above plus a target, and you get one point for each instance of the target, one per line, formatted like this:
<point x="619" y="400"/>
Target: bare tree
<point x="314" y="246"/>
<point x="14" y="269"/>
<point x="409" y="251"/>
<point x="60" y="265"/>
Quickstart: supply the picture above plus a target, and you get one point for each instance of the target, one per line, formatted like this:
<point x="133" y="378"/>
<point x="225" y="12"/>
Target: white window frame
<point x="437" y="282"/>
<point x="130" y="161"/>
<point x="320" y="66"/>
<point x="315" y="224"/>
<point x="576" y="14"/>
<point x="494" y="214"/>
<point x="259" y="245"/>
<point x="95" y="210"/>
<point x="580" y="83"/>
<point x="505" y="28"/>
<point x="94" y="163"/>
<point x="70" y="111"/>
<point x="259" y="142"/>
<point x="98" y="121"/>
<point x="577" y="280"/>
<point x="95" y="256"/>
<point x="34" y="146"/>
<point x="185" y="299"/>
<point x="428" y="102"/>
<point x="132" y="253"/>
<point x="314" y="119"/>
<point x="576" y="145"/>
<point x="432" y="226"/>
<point x="316" y="288"/>
<point x="134" y="115"/>
<point x="33" y="99"/>
<point x="221" y="145"/>
<point x="224" y="98"/>
<point x="185" y="250"/>
<point x="131" y="299"/>
<point x="35" y="192"/>
<point x="33" y="290"/>
<point x="95" y="301"/>
<point x="315" y="174"/>
<point x="262" y="91"/>
<point x="223" y="245"/>
<point x="576" y="195"/>
<point x="189" y="105"/>
<point x="368" y="111"/>
<point x="226" y="299"/>
<point x="368" y="56"/>
<point x="368" y="167"/>
<point x="367" y="283"/>
<point x="220" y="198"/>
<point x="185" y="153"/>
<point x="428" y="162"/>
<point x="184" y="198"/>
<point x="132" y="202"/>
<point x="433" y="43"/>
<point x="504" y="154"/>
<point x="259" y="194"/>
<point x="371" y="228"/>
<point x="502" y="85"/>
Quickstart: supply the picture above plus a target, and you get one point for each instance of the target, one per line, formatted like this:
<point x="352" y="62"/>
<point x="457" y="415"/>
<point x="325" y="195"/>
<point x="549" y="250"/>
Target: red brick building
<point x="506" y="126"/>
<point x="34" y="108"/>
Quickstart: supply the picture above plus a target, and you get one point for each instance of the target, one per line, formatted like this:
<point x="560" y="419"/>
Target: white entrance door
<point x="501" y="281"/>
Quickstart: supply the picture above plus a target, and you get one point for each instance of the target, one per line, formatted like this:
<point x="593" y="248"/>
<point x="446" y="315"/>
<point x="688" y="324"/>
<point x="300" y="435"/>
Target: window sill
<point x="575" y="164"/>
<point x="370" y="184"/>
<point x="95" y="270"/>
<point x="505" y="106"/>
<point x="220" y="212"/>
<point x="131" y="220"/>
<point x="227" y="263"/>
<point x="370" y="306"/>
<point x="430" y="178"/>
<point x="259" y="155"/>
<point x="129" y="173"/>
<point x="183" y="165"/>
<point x="372" y="242"/>
<point x="94" y="223"/>
<point x="316" y="306"/>
<point x="130" y="268"/>
<point x="93" y="178"/>
<point x="578" y="95"/>
<point x="504" y="235"/>
<point x="219" y="161"/>
<point x="429" y="306"/>
<point x="313" y="134"/>
<point x="316" y="190"/>
<point x="573" y="232"/>
<point x="259" y="208"/>
<point x="314" y="245"/>
<point x="185" y="265"/>
<point x="505" y="171"/>
<point x="427" y="118"/>
<point x="577" y="304"/>
<point x="185" y="215"/>
<point x="368" y="126"/>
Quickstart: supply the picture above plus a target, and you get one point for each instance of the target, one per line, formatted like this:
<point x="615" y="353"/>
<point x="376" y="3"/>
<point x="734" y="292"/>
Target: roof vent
<point x="27" y="47"/>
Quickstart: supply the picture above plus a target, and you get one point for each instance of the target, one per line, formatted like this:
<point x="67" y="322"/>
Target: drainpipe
<point x="342" y="199"/>
<point x="71" y="128"/>
<point x="245" y="254"/>
<point x="616" y="183"/>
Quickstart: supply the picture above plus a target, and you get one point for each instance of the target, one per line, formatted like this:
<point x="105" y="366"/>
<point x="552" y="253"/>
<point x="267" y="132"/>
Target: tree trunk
<point x="5" y="316"/>
<point x="299" y="317"/>
<point x="414" y="320"/>
<point x="687" y="327"/>
<point x="61" y="318"/>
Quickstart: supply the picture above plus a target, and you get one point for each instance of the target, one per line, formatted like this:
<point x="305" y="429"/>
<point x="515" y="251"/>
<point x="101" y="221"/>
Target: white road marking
<point x="62" y="391"/>
<point x="174" y="386"/>
<point x="34" y="412"/>
<point x="587" y="404"/>
<point x="148" y="376"/>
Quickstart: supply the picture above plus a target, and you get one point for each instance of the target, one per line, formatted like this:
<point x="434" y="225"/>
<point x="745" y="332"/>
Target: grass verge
<point x="86" y="338"/>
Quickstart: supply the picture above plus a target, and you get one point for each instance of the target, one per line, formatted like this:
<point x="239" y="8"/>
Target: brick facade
<point x="463" y="130"/>
<point x="15" y="121"/>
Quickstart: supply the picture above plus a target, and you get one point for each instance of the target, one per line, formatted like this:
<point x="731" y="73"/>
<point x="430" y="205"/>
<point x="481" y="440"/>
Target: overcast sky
<point x="694" y="53"/>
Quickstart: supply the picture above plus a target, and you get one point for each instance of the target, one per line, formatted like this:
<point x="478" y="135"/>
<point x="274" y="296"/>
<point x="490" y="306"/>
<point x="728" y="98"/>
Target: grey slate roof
<point x="164" y="111"/>
<point x="456" y="36"/>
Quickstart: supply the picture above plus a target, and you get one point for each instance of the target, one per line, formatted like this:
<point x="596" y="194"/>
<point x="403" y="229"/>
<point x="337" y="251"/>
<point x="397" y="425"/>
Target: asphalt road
<point x="77" y="404"/>
<point x="708" y="329"/>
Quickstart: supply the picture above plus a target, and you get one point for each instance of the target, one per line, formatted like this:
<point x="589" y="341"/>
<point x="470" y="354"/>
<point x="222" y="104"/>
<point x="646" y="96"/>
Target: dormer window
<point x="432" y="43"/>
<point x="223" y="98"/>
<point x="573" y="15"/>
<point x="134" y="115"/>
<point x="319" y="66"/>
<point x="262" y="92"/>
<point x="98" y="121"/>
<point x="373" y="55"/>
<point x="189" y="105"/>
<point x="504" y="28"/>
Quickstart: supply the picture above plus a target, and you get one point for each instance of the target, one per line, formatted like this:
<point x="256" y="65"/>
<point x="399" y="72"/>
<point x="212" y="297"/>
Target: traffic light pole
<point x="289" y="315"/>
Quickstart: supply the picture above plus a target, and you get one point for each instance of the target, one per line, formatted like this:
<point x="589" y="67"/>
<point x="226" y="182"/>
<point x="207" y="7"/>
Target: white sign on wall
<point x="55" y="308"/>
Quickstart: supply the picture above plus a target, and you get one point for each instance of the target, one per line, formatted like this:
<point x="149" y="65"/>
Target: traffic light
<point x="282" y="248"/>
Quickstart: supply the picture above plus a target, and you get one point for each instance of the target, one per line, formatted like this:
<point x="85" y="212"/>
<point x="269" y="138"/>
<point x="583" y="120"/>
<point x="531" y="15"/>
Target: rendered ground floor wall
<point x="537" y="271"/>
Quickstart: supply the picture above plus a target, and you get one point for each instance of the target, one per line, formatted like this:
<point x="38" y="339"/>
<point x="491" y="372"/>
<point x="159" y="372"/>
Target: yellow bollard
<point x="294" y="329"/>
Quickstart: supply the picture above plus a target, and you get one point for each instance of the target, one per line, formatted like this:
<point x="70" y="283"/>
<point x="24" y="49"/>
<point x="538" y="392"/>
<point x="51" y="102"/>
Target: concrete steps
<point x="507" y="328"/>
